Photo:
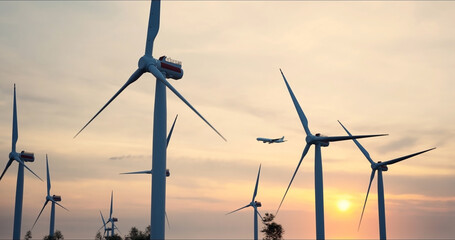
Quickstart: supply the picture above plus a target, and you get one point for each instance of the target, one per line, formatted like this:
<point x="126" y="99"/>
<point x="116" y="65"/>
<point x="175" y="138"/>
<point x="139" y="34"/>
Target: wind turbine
<point x="111" y="219"/>
<point x="318" y="141"/>
<point x="255" y="205"/>
<point x="106" y="230"/>
<point x="21" y="158"/>
<point x="161" y="68"/>
<point x="167" y="170"/>
<point x="167" y="144"/>
<point x="54" y="199"/>
<point x="380" y="167"/>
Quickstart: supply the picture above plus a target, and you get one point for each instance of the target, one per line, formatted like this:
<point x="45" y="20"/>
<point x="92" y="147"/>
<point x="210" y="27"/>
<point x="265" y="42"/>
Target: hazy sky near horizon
<point x="378" y="67"/>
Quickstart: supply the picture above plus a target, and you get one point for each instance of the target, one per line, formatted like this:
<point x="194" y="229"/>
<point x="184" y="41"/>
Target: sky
<point x="377" y="66"/>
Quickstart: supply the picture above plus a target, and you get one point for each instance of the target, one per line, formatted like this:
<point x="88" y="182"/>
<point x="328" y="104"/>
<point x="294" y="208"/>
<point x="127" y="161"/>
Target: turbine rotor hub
<point x="310" y="139"/>
<point x="316" y="139"/>
<point x="12" y="155"/>
<point x="146" y="61"/>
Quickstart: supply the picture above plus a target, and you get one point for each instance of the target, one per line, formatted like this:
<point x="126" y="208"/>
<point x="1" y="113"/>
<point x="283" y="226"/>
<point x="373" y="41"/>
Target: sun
<point x="343" y="205"/>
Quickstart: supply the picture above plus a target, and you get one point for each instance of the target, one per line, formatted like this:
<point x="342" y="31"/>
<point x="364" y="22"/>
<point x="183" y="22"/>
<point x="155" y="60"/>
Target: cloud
<point x="129" y="157"/>
<point x="404" y="142"/>
<point x="199" y="199"/>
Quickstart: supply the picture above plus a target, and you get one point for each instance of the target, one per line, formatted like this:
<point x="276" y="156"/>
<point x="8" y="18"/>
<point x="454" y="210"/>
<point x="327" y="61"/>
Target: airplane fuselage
<point x="271" y="140"/>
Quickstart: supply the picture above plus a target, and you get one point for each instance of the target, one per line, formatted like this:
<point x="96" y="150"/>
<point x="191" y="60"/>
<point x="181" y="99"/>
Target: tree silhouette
<point x="57" y="236"/>
<point x="272" y="230"/>
<point x="136" y="234"/>
<point x="115" y="237"/>
<point x="98" y="236"/>
<point x="28" y="235"/>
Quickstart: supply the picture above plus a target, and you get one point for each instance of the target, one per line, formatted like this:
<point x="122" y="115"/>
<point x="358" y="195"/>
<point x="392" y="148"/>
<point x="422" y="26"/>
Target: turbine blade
<point x="160" y="77"/>
<point x="305" y="151"/>
<point x="61" y="206"/>
<point x="6" y="168"/>
<point x="138" y="73"/>
<point x="403" y="158"/>
<point x="112" y="201"/>
<point x="170" y="131"/>
<point x="155" y="72"/>
<point x="48" y="178"/>
<point x="15" y="131"/>
<point x="153" y="27"/>
<point x="342" y="138"/>
<point x="364" y="151"/>
<point x="104" y="222"/>
<point x="45" y="203"/>
<point x="115" y="227"/>
<point x="259" y="215"/>
<point x="167" y="220"/>
<point x="239" y="209"/>
<point x="21" y="162"/>
<point x="366" y="198"/>
<point x="139" y="172"/>
<point x="257" y="182"/>
<point x="102" y="228"/>
<point x="302" y="116"/>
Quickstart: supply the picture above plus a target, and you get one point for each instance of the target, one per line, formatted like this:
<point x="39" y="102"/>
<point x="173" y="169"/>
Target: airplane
<point x="273" y="140"/>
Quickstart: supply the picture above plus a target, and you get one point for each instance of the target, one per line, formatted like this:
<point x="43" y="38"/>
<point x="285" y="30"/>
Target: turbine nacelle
<point x="316" y="139"/>
<point x="378" y="165"/>
<point x="168" y="67"/>
<point x="27" y="156"/>
<point x="172" y="68"/>
<point x="257" y="204"/>
<point x="57" y="198"/>
<point x="114" y="219"/>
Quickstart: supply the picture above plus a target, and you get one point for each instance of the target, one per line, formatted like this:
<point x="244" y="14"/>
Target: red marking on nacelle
<point x="170" y="67"/>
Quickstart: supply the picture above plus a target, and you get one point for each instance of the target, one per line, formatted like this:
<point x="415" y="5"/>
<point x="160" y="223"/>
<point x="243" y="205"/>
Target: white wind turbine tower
<point x="318" y="141"/>
<point x="161" y="69"/>
<point x="380" y="167"/>
<point x="21" y="158"/>
<point x="255" y="204"/>
<point x="54" y="199"/>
